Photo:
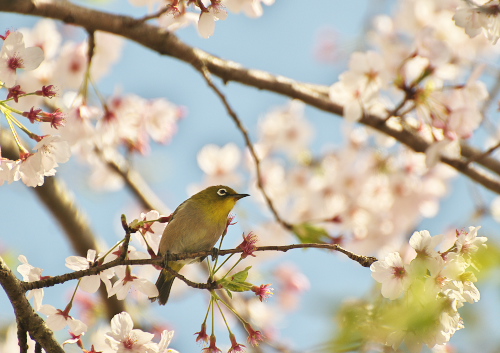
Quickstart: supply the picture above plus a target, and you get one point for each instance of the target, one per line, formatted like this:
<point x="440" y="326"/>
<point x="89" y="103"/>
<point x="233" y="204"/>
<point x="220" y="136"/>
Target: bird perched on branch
<point x="196" y="225"/>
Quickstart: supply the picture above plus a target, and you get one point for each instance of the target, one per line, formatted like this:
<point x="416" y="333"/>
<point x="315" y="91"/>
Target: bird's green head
<point x="218" y="200"/>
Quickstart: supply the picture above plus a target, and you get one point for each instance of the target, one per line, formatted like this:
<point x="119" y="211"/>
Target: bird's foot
<point x="215" y="253"/>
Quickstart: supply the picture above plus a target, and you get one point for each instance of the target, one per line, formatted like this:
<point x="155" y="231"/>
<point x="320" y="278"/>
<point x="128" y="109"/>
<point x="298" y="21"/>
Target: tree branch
<point x="26" y="317"/>
<point x="364" y="261"/>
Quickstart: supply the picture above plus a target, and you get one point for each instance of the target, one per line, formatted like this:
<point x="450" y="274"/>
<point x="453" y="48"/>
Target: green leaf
<point x="236" y="286"/>
<point x="241" y="276"/>
<point x="308" y="233"/>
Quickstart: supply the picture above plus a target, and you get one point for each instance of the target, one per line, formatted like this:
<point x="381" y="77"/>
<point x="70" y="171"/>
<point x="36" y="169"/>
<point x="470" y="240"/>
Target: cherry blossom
<point x="264" y="291"/>
<point x="439" y="282"/>
<point x="31" y="274"/>
<point x="166" y="338"/>
<point x="124" y="338"/>
<point x="14" y="55"/>
<point x="235" y="346"/>
<point x="58" y="319"/>
<point x="8" y="170"/>
<point x="358" y="88"/>
<point x="220" y="164"/>
<point x="248" y="245"/>
<point x="202" y="335"/>
<point x="212" y="347"/>
<point x="468" y="243"/>
<point x="50" y="151"/>
<point x="425" y="244"/>
<point x="90" y="283"/>
<point x="206" y="23"/>
<point x="393" y="274"/>
<point x="151" y="231"/>
<point x="251" y="8"/>
<point x="254" y="337"/>
<point x="483" y="18"/>
<point x="173" y="22"/>
<point x="44" y="35"/>
<point x="124" y="284"/>
<point x="286" y="129"/>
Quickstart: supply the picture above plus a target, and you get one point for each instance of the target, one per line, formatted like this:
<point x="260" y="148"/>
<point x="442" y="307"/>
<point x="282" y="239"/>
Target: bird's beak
<point x="239" y="196"/>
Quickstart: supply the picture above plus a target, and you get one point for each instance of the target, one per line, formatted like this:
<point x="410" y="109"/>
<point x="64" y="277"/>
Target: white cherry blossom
<point x="14" y="55"/>
<point x="251" y="8"/>
<point x="90" y="283"/>
<point x="123" y="338"/>
<point x="206" y="23"/>
<point x="31" y="274"/>
<point x="58" y="319"/>
<point x="393" y="274"/>
<point x="483" y="18"/>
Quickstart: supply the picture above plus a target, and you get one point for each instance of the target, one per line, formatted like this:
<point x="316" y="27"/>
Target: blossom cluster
<point x="427" y="290"/>
<point x="176" y="14"/>
<point x="354" y="192"/>
<point x="123" y="337"/>
<point x="481" y="16"/>
<point x="97" y="133"/>
<point x="50" y="150"/>
<point x="411" y="75"/>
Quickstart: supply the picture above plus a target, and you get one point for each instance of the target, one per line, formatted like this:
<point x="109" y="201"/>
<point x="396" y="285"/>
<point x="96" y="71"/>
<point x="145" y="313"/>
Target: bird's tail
<point x="164" y="283"/>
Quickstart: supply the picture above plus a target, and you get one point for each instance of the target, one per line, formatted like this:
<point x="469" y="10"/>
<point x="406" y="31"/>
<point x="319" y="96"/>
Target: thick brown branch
<point x="26" y="317"/>
<point x="167" y="43"/>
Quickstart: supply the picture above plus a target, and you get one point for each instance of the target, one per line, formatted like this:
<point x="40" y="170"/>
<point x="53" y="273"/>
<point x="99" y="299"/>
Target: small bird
<point x="196" y="225"/>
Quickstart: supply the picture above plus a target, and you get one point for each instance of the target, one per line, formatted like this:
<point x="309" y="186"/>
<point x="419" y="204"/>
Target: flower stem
<point x="222" y="264"/>
<point x="232" y="268"/>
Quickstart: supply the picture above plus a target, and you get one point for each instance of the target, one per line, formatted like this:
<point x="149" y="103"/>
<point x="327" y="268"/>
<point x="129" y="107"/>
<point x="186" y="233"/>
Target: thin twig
<point x="206" y="74"/>
<point x="208" y="285"/>
<point x="478" y="157"/>
<point x="126" y="240"/>
<point x="154" y="14"/>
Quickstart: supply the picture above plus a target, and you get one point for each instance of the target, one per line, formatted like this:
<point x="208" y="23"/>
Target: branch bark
<point x="26" y="317"/>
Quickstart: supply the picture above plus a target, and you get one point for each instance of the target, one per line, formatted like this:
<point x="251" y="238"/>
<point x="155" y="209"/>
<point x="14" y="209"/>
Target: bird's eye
<point x="222" y="192"/>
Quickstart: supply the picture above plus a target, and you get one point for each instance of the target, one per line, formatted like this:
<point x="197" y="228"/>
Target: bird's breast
<point x="192" y="230"/>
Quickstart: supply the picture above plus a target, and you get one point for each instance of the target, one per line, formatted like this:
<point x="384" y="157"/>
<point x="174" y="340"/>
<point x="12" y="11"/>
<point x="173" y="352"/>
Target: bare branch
<point x="27" y="319"/>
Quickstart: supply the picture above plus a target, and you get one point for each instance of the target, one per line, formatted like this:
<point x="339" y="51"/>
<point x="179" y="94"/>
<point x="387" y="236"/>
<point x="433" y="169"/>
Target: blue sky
<point x="282" y="42"/>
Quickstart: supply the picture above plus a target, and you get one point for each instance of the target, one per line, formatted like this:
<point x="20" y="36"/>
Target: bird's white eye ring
<point x="222" y="192"/>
